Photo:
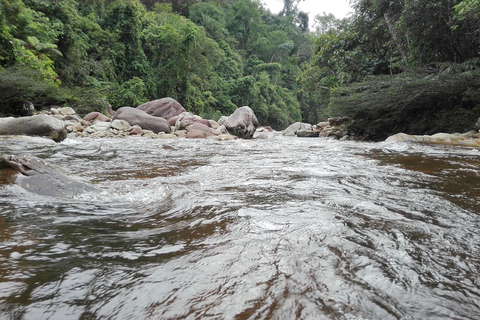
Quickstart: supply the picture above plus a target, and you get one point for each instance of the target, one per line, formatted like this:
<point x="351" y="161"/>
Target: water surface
<point x="284" y="228"/>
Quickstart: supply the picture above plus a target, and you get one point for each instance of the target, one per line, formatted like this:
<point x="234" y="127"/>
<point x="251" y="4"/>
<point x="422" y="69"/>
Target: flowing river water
<point x="283" y="228"/>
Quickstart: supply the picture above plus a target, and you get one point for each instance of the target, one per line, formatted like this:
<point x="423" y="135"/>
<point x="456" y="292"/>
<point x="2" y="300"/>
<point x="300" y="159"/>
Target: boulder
<point x="38" y="125"/>
<point x="96" y="116"/>
<point x="138" y="117"/>
<point x="165" y="108"/>
<point x="35" y="175"/>
<point x="120" y="125"/>
<point x="136" y="130"/>
<point x="292" y="130"/>
<point x="73" y="117"/>
<point x="66" y="111"/>
<point x="222" y="120"/>
<point x="172" y="121"/>
<point x="242" y="123"/>
<point x="265" y="129"/>
<point x="27" y="109"/>
<point x="185" y="122"/>
<point x="214" y="124"/>
<point x="439" y="138"/>
<point x="186" y="119"/>
<point x="307" y="133"/>
<point x="100" y="126"/>
<point x="200" y="130"/>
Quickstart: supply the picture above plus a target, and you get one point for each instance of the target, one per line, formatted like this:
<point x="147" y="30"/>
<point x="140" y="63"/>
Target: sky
<point x="339" y="8"/>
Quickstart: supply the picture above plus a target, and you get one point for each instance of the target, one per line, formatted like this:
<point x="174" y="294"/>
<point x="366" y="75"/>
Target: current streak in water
<point x="263" y="229"/>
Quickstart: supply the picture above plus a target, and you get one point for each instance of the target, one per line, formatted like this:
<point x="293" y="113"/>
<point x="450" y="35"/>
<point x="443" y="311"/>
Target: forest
<point x="392" y="66"/>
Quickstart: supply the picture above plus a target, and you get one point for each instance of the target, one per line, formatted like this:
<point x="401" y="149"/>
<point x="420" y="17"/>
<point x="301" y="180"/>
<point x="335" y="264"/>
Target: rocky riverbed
<point x="167" y="119"/>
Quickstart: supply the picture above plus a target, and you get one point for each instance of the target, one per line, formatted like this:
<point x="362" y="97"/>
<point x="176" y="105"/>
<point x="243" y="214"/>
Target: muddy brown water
<point x="284" y="228"/>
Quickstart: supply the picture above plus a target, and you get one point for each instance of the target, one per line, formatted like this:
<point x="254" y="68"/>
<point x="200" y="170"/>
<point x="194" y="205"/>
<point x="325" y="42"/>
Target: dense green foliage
<point x="391" y="66"/>
<point x="212" y="56"/>
<point x="407" y="65"/>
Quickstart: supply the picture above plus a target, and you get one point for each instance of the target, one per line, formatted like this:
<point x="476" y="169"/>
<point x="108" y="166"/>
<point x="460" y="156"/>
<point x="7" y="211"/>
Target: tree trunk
<point x="396" y="39"/>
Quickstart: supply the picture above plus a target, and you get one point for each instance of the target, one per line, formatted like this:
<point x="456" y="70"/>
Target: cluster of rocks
<point x="467" y="139"/>
<point x="162" y="118"/>
<point x="334" y="127"/>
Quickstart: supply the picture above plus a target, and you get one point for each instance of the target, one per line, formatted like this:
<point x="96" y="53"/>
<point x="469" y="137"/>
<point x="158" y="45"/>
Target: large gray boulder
<point x="145" y="121"/>
<point x="165" y="108"/>
<point x="242" y="123"/>
<point x="41" y="125"/>
<point x="292" y="130"/>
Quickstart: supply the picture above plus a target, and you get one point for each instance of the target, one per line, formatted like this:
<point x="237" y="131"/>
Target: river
<point x="283" y="228"/>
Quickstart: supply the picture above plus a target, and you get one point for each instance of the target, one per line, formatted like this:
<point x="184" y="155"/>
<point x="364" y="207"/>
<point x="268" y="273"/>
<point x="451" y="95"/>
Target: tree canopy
<point x="216" y="55"/>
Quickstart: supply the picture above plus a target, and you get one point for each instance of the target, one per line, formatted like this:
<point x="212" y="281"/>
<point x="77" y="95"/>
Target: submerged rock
<point x="307" y="133"/>
<point x="35" y="175"/>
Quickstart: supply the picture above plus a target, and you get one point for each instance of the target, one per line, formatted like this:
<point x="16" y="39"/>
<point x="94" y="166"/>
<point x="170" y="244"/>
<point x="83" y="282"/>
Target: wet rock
<point x="37" y="125"/>
<point x="138" y="117"/>
<point x="335" y="127"/>
<point x="292" y="130"/>
<point x="165" y="108"/>
<point x="265" y="129"/>
<point x="439" y="138"/>
<point x="307" y="133"/>
<point x="37" y="176"/>
<point x="227" y="137"/>
<point x="242" y="123"/>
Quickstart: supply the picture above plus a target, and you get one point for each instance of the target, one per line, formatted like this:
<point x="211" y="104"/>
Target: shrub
<point x="21" y="85"/>
<point x="415" y="103"/>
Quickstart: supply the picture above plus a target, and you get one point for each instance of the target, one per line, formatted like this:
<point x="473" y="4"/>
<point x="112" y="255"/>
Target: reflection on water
<point x="267" y="229"/>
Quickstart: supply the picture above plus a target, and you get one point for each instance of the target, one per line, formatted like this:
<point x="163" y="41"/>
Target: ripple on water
<point x="281" y="228"/>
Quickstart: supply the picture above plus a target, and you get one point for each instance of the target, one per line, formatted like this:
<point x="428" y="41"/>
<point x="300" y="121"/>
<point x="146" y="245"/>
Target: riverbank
<point x="186" y="125"/>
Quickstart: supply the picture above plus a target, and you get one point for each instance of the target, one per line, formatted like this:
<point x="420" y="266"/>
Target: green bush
<point x="20" y="85"/>
<point x="415" y="103"/>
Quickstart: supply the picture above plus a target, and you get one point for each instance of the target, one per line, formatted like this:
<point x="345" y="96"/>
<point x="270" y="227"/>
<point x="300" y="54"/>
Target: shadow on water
<point x="456" y="175"/>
